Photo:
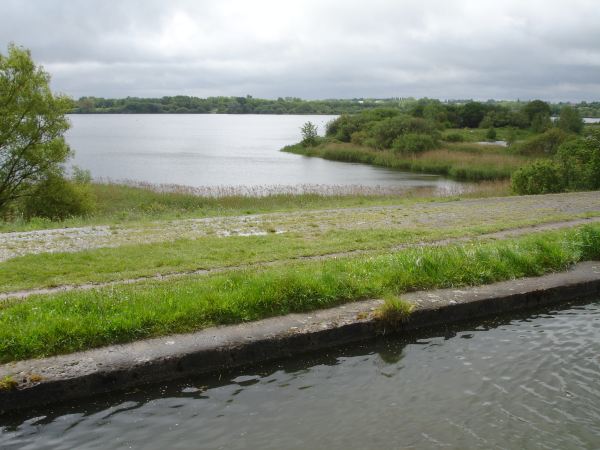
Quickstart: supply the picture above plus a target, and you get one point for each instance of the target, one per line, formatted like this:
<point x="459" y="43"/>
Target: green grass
<point x="122" y="204"/>
<point x="132" y="261"/>
<point x="462" y="161"/>
<point x="479" y="134"/>
<point x="79" y="320"/>
<point x="143" y="260"/>
<point x="394" y="310"/>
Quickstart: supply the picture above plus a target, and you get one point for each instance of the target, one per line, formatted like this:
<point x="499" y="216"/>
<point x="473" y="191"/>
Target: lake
<point x="216" y="150"/>
<point x="529" y="381"/>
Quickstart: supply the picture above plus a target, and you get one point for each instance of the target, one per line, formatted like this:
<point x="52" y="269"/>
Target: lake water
<point x="526" y="382"/>
<point x="216" y="150"/>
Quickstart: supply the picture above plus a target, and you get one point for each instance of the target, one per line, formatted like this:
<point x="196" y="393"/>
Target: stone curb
<point x="118" y="367"/>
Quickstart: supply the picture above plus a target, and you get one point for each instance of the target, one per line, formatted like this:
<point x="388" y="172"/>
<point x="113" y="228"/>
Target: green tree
<point x="536" y="108"/>
<point x="541" y="122"/>
<point x="309" y="134"/>
<point x="472" y="114"/>
<point x="32" y="124"/>
<point x="569" y="120"/>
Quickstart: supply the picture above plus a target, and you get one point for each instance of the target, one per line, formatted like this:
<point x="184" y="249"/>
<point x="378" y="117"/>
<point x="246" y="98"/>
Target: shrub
<point x="454" y="137"/>
<point x="345" y="125"/>
<point x="57" y="198"/>
<point x="414" y="143"/>
<point x="580" y="162"/>
<point x="491" y="134"/>
<point x="359" y="137"/>
<point x="541" y="177"/>
<point x="386" y="131"/>
<point x="545" y="144"/>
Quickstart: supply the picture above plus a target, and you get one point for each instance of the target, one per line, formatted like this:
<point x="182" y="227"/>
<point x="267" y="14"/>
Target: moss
<point x="8" y="384"/>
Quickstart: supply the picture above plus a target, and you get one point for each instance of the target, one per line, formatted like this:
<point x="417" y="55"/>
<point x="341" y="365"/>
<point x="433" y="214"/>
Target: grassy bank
<point x="121" y="203"/>
<point x="78" y="320"/>
<point x="461" y="161"/>
<point x="306" y="238"/>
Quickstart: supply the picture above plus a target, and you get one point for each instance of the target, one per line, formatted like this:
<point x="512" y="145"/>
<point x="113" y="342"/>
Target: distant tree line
<point x="457" y="113"/>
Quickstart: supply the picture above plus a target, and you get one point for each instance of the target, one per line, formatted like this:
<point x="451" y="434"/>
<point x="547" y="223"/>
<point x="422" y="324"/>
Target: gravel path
<point x="508" y="211"/>
<point x="23" y="294"/>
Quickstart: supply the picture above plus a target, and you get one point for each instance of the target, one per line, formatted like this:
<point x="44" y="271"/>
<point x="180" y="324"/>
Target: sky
<point x="313" y="49"/>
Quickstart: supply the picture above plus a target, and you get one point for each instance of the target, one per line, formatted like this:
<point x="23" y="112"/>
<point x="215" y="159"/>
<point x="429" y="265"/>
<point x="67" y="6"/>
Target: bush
<point x="385" y="132"/>
<point x="541" y="177"/>
<point x="580" y="162"/>
<point x="345" y="125"/>
<point x="414" y="143"/>
<point x="545" y="144"/>
<point x="57" y="198"/>
<point x="454" y="137"/>
<point x="359" y="137"/>
<point x="491" y="134"/>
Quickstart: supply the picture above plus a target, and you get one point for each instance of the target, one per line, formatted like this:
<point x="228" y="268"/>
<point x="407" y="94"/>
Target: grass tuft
<point x="394" y="310"/>
<point x="8" y="384"/>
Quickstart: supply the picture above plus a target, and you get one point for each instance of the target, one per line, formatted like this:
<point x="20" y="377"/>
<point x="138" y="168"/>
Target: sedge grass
<point x="455" y="161"/>
<point x="79" y="320"/>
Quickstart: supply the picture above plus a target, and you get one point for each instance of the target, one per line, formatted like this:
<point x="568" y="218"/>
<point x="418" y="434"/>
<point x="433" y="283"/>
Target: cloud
<point x="313" y="49"/>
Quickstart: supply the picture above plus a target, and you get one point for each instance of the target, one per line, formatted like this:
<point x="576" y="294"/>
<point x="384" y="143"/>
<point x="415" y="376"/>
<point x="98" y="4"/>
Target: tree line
<point x="459" y="113"/>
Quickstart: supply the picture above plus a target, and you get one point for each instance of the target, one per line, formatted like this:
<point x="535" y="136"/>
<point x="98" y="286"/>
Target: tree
<point x="32" y="124"/>
<point x="472" y="114"/>
<point x="538" y="115"/>
<point x="309" y="134"/>
<point x="569" y="120"/>
<point x="536" y="108"/>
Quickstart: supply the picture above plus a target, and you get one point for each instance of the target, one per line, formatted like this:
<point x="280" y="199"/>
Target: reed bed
<point x="474" y="162"/>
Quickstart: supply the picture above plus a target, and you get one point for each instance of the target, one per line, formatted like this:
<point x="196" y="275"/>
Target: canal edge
<point x="118" y="367"/>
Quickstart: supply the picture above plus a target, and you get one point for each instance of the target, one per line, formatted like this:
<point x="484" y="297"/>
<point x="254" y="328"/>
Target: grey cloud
<point x="313" y="49"/>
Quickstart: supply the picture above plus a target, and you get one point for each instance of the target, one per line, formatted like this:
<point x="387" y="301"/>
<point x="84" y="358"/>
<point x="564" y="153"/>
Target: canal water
<point x="528" y="382"/>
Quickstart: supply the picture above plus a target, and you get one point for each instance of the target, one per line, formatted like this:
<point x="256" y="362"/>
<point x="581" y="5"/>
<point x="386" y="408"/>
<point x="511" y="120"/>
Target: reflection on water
<point x="216" y="150"/>
<point x="529" y="382"/>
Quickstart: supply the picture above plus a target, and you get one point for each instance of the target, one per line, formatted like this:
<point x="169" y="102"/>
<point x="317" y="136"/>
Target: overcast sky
<point x="313" y="49"/>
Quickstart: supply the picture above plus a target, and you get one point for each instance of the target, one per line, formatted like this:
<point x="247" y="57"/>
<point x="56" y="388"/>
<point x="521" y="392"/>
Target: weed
<point x="8" y="383"/>
<point x="394" y="310"/>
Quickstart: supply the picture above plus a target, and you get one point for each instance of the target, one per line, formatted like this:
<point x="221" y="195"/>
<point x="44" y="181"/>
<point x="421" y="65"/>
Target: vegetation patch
<point x="464" y="162"/>
<point x="79" y="320"/>
<point x="394" y="310"/>
<point x="575" y="166"/>
<point x="8" y="384"/>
